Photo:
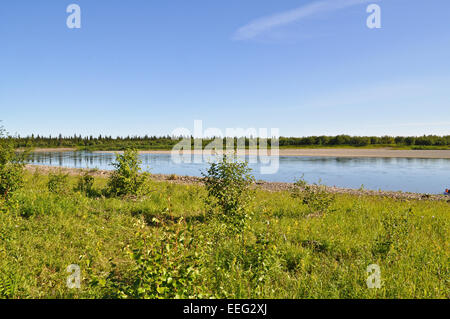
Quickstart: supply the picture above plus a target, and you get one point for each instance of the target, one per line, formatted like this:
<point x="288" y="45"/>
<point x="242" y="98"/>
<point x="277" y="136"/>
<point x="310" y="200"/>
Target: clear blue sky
<point x="148" y="67"/>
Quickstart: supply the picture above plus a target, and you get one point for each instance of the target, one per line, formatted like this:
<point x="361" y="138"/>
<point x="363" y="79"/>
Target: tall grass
<point x="166" y="239"/>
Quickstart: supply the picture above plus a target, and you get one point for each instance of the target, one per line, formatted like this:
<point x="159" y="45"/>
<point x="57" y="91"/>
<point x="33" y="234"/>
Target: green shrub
<point x="85" y="184"/>
<point x="315" y="196"/>
<point x="12" y="165"/>
<point x="127" y="178"/>
<point x="58" y="182"/>
<point x="165" y="267"/>
<point x="11" y="179"/>
<point x="228" y="186"/>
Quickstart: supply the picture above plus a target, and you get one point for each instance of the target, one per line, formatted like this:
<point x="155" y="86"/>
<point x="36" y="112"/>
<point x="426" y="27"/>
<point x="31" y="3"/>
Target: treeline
<point x="347" y="140"/>
<point x="167" y="142"/>
<point x="95" y="143"/>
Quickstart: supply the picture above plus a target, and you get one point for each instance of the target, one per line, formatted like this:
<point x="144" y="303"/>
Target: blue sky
<point x="149" y="67"/>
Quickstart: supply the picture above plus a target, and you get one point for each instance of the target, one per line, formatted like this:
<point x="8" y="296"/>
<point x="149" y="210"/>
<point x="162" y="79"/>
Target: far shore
<point x="328" y="152"/>
<point x="44" y="150"/>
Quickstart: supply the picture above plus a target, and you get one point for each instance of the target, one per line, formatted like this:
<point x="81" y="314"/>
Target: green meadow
<point x="168" y="243"/>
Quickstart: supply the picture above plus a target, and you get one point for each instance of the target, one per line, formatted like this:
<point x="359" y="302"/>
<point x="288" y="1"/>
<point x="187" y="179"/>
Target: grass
<point x="287" y="252"/>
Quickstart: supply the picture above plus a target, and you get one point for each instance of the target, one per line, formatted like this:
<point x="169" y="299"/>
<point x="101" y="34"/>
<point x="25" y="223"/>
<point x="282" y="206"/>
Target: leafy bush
<point x="12" y="165"/>
<point x="165" y="267"/>
<point x="315" y="196"/>
<point x="127" y="178"/>
<point x="228" y="185"/>
<point x="85" y="184"/>
<point x="58" y="182"/>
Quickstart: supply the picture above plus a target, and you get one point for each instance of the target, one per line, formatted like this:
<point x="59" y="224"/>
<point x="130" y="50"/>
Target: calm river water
<point x="396" y="174"/>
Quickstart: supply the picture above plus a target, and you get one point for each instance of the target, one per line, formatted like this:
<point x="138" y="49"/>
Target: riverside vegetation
<point x="108" y="143"/>
<point x="134" y="237"/>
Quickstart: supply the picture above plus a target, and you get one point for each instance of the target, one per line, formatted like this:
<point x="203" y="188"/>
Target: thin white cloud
<point x="259" y="26"/>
